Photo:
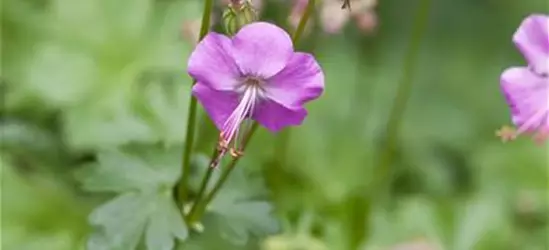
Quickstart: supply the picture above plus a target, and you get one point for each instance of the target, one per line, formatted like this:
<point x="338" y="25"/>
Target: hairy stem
<point x="181" y="188"/>
<point x="403" y="94"/>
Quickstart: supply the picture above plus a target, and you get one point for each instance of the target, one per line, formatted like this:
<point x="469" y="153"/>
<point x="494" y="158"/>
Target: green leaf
<point x="95" y="75"/>
<point x="144" y="177"/>
<point x="237" y="215"/>
<point x="142" y="169"/>
<point x="233" y="212"/>
<point x="104" y="125"/>
<point x="123" y="221"/>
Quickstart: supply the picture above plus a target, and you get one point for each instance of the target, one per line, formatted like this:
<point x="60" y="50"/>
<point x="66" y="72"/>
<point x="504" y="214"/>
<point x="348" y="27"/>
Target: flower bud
<point x="238" y="14"/>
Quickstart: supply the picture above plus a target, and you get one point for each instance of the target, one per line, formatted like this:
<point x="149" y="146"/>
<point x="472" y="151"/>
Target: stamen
<point x="231" y="134"/>
<point x="235" y="153"/>
<point x="507" y="133"/>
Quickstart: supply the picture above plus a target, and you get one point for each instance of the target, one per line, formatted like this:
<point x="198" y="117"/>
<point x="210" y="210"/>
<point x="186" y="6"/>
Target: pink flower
<point x="254" y="75"/>
<point x="526" y="89"/>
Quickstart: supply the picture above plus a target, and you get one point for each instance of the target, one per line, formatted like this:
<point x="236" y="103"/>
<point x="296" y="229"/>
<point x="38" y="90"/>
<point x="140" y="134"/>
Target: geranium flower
<point x="254" y="75"/>
<point x="526" y="89"/>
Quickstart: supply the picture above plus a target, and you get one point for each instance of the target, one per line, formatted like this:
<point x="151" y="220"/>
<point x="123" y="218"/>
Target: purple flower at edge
<point x="526" y="89"/>
<point x="254" y="75"/>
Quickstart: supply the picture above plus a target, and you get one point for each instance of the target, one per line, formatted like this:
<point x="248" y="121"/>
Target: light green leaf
<point x="93" y="126"/>
<point x="132" y="170"/>
<point x="122" y="222"/>
<point x="71" y="74"/>
<point x="144" y="176"/>
<point x="234" y="214"/>
<point x="238" y="216"/>
<point x="95" y="75"/>
<point x="166" y="102"/>
<point x="165" y="224"/>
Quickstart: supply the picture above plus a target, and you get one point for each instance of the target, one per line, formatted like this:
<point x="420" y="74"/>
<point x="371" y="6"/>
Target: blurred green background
<point x="83" y="77"/>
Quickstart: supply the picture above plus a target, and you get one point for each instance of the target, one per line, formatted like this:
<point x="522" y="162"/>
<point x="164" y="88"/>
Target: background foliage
<point x="93" y="112"/>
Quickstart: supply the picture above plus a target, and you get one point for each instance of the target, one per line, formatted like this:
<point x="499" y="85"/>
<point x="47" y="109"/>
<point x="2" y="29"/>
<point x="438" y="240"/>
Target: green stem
<point x="181" y="189"/>
<point x="403" y="93"/>
<point x="303" y="21"/>
<point x="205" y="181"/>
<point x="201" y="206"/>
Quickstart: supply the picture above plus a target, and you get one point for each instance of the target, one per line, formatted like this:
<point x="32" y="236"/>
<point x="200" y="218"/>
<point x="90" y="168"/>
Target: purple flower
<point x="254" y="75"/>
<point x="526" y="89"/>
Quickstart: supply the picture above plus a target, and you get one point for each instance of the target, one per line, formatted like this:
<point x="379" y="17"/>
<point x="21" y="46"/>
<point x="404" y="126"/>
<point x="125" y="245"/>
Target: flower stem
<point x="303" y="21"/>
<point x="205" y="181"/>
<point x="181" y="188"/>
<point x="403" y="94"/>
<point x="200" y="207"/>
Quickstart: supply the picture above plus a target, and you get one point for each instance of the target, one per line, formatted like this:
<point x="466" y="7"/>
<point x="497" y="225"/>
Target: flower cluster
<point x="526" y="89"/>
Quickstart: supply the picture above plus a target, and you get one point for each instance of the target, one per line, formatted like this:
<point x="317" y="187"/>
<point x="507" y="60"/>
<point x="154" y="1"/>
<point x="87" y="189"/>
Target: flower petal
<point x="300" y="81"/>
<point x="528" y="97"/>
<point x="261" y="49"/>
<point x="218" y="104"/>
<point x="275" y="116"/>
<point x="532" y="39"/>
<point x="211" y="63"/>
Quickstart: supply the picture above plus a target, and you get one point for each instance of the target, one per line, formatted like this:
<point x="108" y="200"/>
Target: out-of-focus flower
<point x="333" y="18"/>
<point x="254" y="75"/>
<point x="361" y="11"/>
<point x="526" y="89"/>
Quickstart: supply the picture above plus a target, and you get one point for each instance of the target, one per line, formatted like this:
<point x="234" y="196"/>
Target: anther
<point x="506" y="133"/>
<point x="235" y="153"/>
<point x="222" y="144"/>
